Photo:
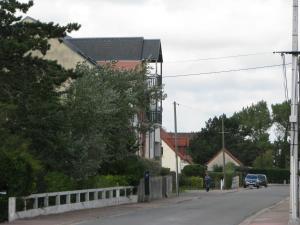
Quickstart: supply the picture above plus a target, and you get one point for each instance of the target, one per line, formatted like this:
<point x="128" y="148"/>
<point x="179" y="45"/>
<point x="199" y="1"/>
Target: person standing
<point x="207" y="181"/>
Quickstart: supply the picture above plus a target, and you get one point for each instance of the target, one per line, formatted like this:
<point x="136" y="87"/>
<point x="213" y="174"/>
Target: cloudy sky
<point x="190" y="31"/>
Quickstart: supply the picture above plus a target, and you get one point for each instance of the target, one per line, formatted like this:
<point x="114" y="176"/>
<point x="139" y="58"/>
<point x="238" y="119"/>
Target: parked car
<point x="263" y="181"/>
<point x="251" y="180"/>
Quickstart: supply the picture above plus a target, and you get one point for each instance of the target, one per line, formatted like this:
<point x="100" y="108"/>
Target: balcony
<point x="155" y="116"/>
<point x="154" y="81"/>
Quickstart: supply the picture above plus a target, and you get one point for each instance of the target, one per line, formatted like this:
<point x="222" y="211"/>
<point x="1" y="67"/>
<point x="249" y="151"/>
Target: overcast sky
<point x="190" y="30"/>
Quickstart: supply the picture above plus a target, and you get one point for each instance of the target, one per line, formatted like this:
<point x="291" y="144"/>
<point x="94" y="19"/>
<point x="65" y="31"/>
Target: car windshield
<point x="251" y="176"/>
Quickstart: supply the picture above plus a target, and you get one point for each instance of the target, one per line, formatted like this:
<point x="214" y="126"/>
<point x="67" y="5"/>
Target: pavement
<point x="276" y="214"/>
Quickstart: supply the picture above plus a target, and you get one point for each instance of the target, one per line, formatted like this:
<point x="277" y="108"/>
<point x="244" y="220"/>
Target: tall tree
<point x="280" y="118"/>
<point x="247" y="135"/>
<point x="100" y="108"/>
<point x="28" y="98"/>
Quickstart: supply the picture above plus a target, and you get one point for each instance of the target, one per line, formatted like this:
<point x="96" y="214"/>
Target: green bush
<point x="56" y="181"/>
<point x="106" y="181"/>
<point x="194" y="170"/>
<point x="192" y="183"/>
<point x="133" y="167"/>
<point x="216" y="179"/>
<point x="165" y="171"/>
<point x="3" y="208"/>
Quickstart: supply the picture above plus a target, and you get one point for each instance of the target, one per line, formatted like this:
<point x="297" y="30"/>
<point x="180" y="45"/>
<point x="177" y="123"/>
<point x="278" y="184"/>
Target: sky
<point x="190" y="31"/>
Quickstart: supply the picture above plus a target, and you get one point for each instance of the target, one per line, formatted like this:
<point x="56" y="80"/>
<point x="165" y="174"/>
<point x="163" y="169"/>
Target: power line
<point x="219" y="57"/>
<point x="225" y="71"/>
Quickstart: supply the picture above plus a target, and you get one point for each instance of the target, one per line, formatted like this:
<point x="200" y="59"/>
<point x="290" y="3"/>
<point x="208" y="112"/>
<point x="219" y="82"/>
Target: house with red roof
<point x="168" y="159"/>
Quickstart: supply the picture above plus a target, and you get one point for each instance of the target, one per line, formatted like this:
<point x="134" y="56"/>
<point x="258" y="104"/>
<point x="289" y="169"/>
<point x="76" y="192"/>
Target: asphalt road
<point x="204" y="209"/>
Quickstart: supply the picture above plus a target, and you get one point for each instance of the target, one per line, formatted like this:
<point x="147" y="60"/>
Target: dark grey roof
<point x="107" y="49"/>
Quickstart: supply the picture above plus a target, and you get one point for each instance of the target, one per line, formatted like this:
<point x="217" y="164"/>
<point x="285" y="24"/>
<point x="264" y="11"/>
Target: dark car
<point x="263" y="181"/>
<point x="251" y="180"/>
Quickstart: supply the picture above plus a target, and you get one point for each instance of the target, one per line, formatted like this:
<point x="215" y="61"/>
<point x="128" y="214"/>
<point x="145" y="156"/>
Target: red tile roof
<point x="169" y="140"/>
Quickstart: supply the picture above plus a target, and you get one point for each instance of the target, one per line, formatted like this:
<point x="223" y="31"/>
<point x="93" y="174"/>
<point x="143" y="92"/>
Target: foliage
<point x="194" y="170"/>
<point x="264" y="160"/>
<point x="100" y="106"/>
<point x="3" y="208"/>
<point x="247" y="135"/>
<point x="57" y="181"/>
<point x="280" y="119"/>
<point x="216" y="179"/>
<point x="217" y="168"/>
<point x="191" y="183"/>
<point x="18" y="169"/>
<point x="274" y="175"/>
<point x="133" y="167"/>
<point x="30" y="110"/>
<point x="105" y="181"/>
<point x="165" y="171"/>
<point x="230" y="167"/>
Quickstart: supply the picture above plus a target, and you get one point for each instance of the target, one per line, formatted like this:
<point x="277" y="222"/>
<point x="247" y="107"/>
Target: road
<point x="203" y="209"/>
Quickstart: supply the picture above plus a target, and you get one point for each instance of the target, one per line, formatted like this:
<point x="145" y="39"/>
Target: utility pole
<point x="176" y="148"/>
<point x="223" y="151"/>
<point x="294" y="198"/>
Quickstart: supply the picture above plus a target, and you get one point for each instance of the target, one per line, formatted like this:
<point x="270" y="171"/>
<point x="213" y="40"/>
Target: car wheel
<point x="257" y="186"/>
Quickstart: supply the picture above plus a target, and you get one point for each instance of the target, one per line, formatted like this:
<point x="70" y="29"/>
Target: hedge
<point x="216" y="179"/>
<point x="195" y="170"/>
<point x="192" y="183"/>
<point x="274" y="175"/>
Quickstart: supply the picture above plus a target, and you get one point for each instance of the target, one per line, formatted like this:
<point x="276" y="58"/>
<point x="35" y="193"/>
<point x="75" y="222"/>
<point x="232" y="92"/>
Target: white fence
<point x="58" y="202"/>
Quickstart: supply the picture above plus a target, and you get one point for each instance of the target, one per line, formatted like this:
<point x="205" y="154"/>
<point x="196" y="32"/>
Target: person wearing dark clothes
<point x="207" y="181"/>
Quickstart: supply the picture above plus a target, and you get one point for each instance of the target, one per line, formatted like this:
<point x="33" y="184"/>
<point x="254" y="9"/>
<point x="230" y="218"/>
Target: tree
<point x="100" y="107"/>
<point x="264" y="161"/>
<point x="29" y="102"/>
<point x="280" y="118"/>
<point x="247" y="135"/>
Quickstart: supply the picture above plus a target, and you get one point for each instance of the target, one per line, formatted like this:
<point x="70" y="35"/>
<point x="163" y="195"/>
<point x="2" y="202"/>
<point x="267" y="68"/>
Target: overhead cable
<point x="217" y="58"/>
<point x="224" y="71"/>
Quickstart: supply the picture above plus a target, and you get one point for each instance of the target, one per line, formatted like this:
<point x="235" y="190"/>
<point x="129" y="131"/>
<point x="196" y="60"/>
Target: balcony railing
<point x="154" y="81"/>
<point x="155" y="116"/>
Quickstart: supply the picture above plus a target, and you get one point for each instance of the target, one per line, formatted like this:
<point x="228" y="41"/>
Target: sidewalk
<point x="277" y="214"/>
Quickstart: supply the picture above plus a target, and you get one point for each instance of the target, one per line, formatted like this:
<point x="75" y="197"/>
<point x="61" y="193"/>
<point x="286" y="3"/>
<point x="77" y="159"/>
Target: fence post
<point x="57" y="200"/>
<point x="11" y="208"/>
<point x="68" y="199"/>
<point x="46" y="201"/>
<point x="35" y="203"/>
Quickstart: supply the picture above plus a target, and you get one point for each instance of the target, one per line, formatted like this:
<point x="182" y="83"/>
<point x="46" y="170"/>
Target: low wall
<point x="59" y="202"/>
<point x="160" y="187"/>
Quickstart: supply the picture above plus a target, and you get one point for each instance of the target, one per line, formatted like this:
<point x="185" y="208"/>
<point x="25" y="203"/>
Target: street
<point x="206" y="209"/>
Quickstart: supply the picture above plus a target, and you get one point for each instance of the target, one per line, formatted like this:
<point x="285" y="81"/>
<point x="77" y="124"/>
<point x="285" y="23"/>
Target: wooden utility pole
<point x="176" y="148"/>
<point x="223" y="151"/>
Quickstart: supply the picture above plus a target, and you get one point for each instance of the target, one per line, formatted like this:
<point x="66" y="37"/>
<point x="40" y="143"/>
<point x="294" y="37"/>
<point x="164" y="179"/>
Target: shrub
<point x="194" y="170"/>
<point x="133" y="167"/>
<point x="216" y="179"/>
<point x="193" y="183"/>
<point x="56" y="181"/>
<point x="3" y="208"/>
<point x="165" y="171"/>
<point x="106" y="181"/>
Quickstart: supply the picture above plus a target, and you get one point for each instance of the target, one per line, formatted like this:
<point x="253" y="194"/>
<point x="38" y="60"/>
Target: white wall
<point x="168" y="159"/>
<point x="219" y="161"/>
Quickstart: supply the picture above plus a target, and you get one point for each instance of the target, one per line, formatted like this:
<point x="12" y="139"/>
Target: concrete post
<point x="11" y="208"/>
<point x="57" y="200"/>
<point x="87" y="196"/>
<point x="46" y="201"/>
<point x="68" y="199"/>
<point x="35" y="203"/>
<point x="77" y="197"/>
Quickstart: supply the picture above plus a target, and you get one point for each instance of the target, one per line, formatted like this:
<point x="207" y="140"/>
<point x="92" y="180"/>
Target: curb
<point x="248" y="220"/>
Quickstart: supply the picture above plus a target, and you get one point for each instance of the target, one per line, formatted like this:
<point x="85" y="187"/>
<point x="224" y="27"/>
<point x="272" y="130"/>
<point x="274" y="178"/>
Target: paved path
<point x="213" y="208"/>
<point x="278" y="214"/>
